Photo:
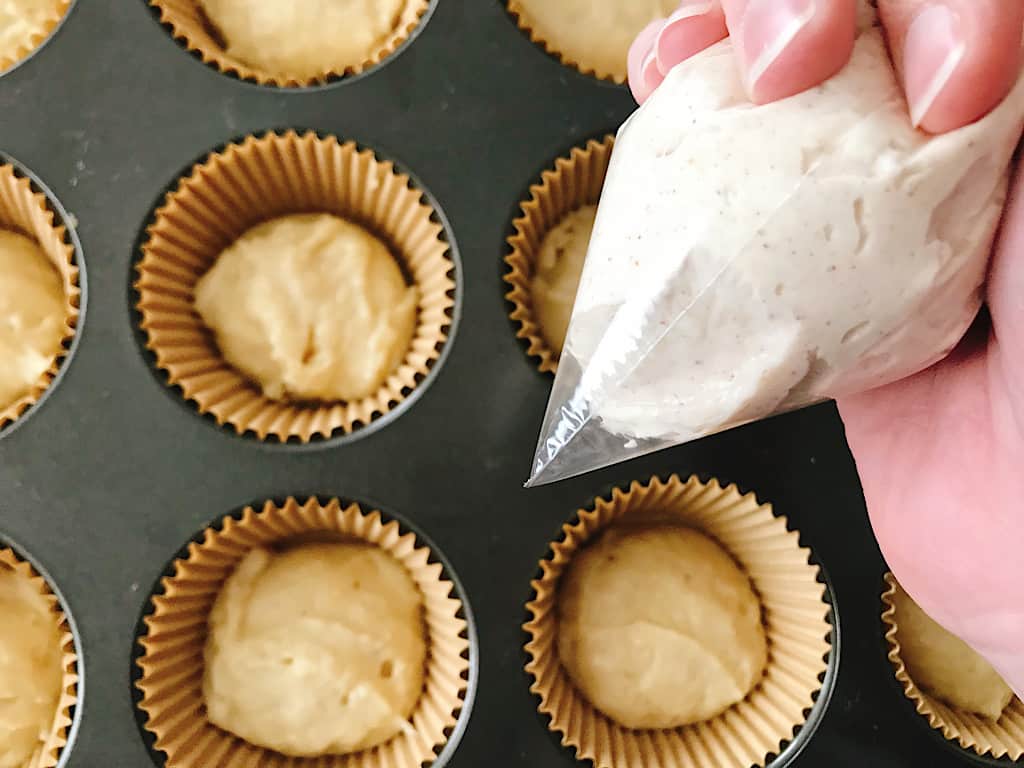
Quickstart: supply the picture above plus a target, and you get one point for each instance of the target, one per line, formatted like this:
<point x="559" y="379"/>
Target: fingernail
<point x="687" y="10"/>
<point x="932" y="52"/>
<point x="768" y="27"/>
<point x="638" y="62"/>
<point x="649" y="72"/>
<point x="690" y="29"/>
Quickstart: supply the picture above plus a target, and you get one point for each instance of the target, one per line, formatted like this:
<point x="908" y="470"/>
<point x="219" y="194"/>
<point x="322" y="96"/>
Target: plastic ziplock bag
<point x="751" y="260"/>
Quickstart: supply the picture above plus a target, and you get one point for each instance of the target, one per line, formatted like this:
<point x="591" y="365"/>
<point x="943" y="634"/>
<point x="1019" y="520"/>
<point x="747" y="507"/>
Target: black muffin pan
<point x="113" y="472"/>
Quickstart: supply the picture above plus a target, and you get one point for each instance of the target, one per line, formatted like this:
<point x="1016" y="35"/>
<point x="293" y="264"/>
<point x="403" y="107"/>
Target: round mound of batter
<point x="30" y="669"/>
<point x="32" y="313"/>
<point x="316" y="650"/>
<point x="594" y="34"/>
<point x="311" y="307"/>
<point x="557" y="273"/>
<point x="304" y="39"/>
<point x="659" y="628"/>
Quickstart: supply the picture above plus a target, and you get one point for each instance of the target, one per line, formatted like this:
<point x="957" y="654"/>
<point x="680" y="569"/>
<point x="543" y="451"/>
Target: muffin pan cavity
<point x="574" y="182"/>
<point x="29" y="208"/>
<point x="773" y="723"/>
<point x="169" y="666"/>
<point x="190" y="24"/>
<point x="56" y="746"/>
<point x="164" y="162"/>
<point x="257" y="180"/>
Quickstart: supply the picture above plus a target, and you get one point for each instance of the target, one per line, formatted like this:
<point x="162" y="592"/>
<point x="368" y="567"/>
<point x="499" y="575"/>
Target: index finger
<point x="787" y="46"/>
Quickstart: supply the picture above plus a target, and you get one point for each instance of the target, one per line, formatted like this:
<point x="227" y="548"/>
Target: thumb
<point x="1010" y="667"/>
<point x="1006" y="302"/>
<point x="957" y="58"/>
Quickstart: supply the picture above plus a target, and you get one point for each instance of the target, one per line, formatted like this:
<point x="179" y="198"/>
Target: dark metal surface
<point x="111" y="476"/>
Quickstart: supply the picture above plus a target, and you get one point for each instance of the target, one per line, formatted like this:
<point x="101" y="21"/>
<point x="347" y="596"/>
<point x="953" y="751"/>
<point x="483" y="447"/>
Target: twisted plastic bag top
<point x="749" y="260"/>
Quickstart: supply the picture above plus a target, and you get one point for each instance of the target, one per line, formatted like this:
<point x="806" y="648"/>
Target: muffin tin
<point x="115" y="472"/>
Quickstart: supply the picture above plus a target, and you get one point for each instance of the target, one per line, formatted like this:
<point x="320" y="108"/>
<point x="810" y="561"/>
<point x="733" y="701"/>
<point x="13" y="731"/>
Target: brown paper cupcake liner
<point x="522" y="18"/>
<point x="987" y="738"/>
<point x="248" y="183"/>
<point x="35" y="37"/>
<point x="190" y="26"/>
<point x="171" y="661"/>
<point x="48" y="753"/>
<point x="26" y="210"/>
<point x="575" y="181"/>
<point x="796" y="624"/>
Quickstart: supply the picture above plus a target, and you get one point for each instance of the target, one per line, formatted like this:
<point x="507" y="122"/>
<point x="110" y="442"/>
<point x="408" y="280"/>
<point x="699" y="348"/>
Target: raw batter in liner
<point x="658" y="627"/>
<point x="557" y="273"/>
<point x="304" y="38"/>
<point x="944" y="665"/>
<point x="30" y="669"/>
<point x="22" y="23"/>
<point x="32" y="313"/>
<point x="311" y="307"/>
<point x="317" y="650"/>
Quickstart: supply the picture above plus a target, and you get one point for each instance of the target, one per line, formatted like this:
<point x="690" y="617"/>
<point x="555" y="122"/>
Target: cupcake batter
<point x="32" y="312"/>
<point x="595" y="34"/>
<point x="317" y="650"/>
<point x="310" y="307"/>
<point x="944" y="665"/>
<point x="304" y="38"/>
<point x="829" y="248"/>
<point x="557" y="273"/>
<point x="658" y="627"/>
<point x="22" y="22"/>
<point x="30" y="669"/>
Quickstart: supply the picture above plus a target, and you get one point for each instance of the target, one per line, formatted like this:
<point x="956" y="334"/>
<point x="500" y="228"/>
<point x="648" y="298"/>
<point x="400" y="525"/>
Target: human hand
<point x="941" y="454"/>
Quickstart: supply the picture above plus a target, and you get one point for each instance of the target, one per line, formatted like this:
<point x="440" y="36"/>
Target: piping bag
<point x="751" y="260"/>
